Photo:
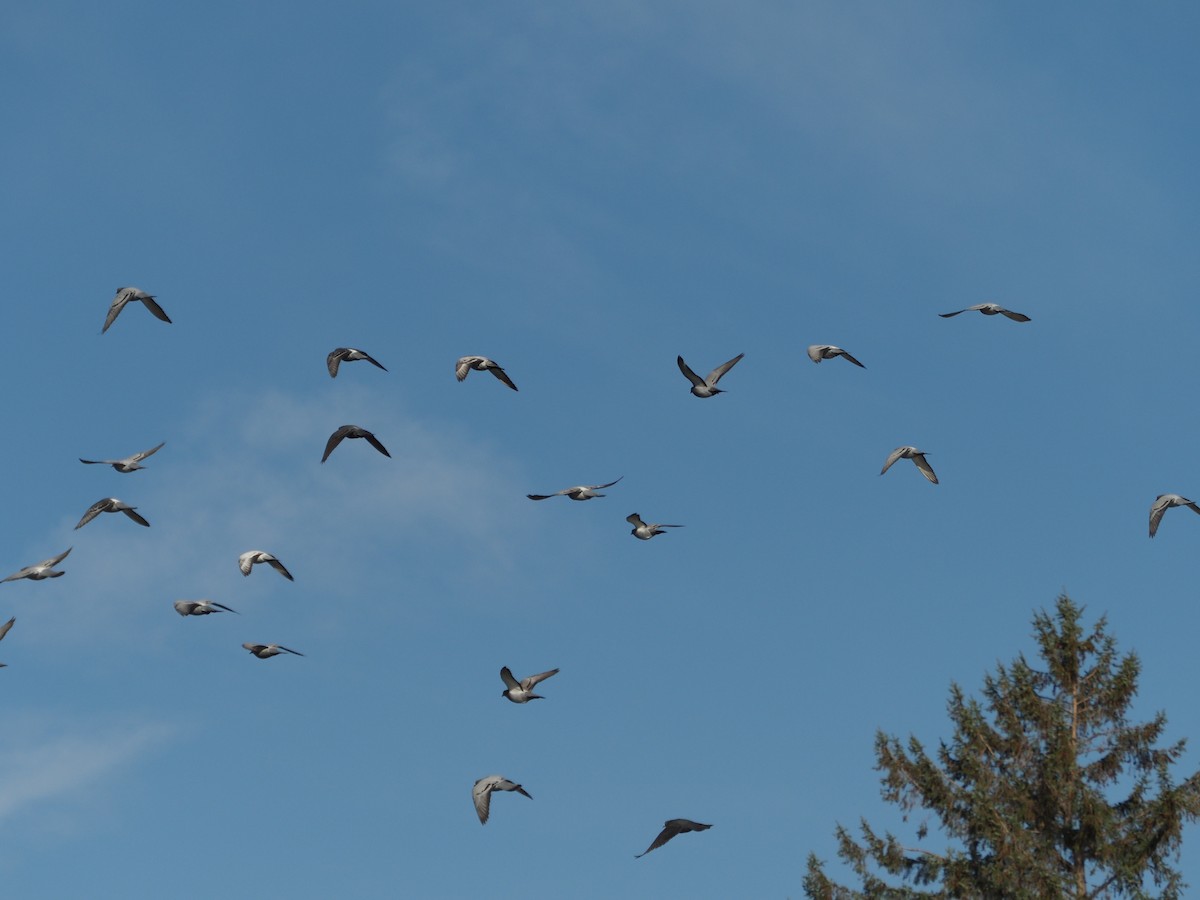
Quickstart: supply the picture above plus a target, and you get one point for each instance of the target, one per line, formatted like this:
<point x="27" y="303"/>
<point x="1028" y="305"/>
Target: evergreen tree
<point x="1045" y="790"/>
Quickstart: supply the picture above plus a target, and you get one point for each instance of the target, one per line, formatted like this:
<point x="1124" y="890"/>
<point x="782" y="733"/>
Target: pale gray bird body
<point x="200" y="607"/>
<point x="1165" y="502"/>
<point x="579" y="492"/>
<point x="918" y="458"/>
<point x="818" y="352"/>
<point x="522" y="691"/>
<point x="481" y="793"/>
<point x="989" y="309"/>
<point x="347" y="354"/>
<point x="39" y="571"/>
<point x="706" y="387"/>
<point x="111" y="505"/>
<point x="671" y="828"/>
<point x="129" y="463"/>
<point x="353" y="431"/>
<point x="252" y="558"/>
<point x="480" y="364"/>
<point x="124" y="296"/>
<point x="643" y="531"/>
<point x="266" y="651"/>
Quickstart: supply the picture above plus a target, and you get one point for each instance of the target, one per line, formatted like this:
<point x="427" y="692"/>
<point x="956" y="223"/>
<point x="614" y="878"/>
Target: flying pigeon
<point x="707" y="387"/>
<point x="200" y="607"/>
<point x="917" y="456"/>
<point x="126" y="294"/>
<point x="348" y="354"/>
<point x="266" y="651"/>
<point x="111" y="505"/>
<point x="671" y="828"/>
<point x="1165" y="502"/>
<point x="644" y="532"/>
<point x="989" y="309"/>
<point x="128" y="464"/>
<point x="818" y="352"/>
<point x="481" y="793"/>
<point x="353" y="431"/>
<point x="39" y="571"/>
<point x="480" y="364"/>
<point x="522" y="691"/>
<point x="252" y="557"/>
<point x="579" y="492"/>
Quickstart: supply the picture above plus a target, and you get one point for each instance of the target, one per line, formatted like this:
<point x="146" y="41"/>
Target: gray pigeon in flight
<point x="671" y="828"/>
<point x="347" y="354"/>
<point x="352" y="431"/>
<point x="989" y="309"/>
<point x="706" y="387"/>
<point x="129" y="463"/>
<point x="917" y="456"/>
<point x="522" y="691"/>
<point x="480" y="364"/>
<point x="125" y="295"/>
<point x="1165" y="502"/>
<point x="481" y="793"/>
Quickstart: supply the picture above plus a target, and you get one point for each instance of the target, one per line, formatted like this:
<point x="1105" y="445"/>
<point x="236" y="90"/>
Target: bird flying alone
<point x="201" y="607"/>
<point x="1165" y="502"/>
<point x="671" y="828"/>
<point x="481" y="793"/>
<point x="818" y="352"/>
<point x="917" y="456"/>
<point x="40" y="571"/>
<point x="579" y="492"/>
<point x="266" y="651"/>
<point x="644" y="532"/>
<point x="124" y="296"/>
<point x="347" y="354"/>
<point x="352" y="431"/>
<point x="128" y="464"/>
<point x="707" y="387"/>
<point x="480" y="364"/>
<point x="251" y="558"/>
<point x="989" y="309"/>
<point x="111" y="505"/>
<point x="522" y="691"/>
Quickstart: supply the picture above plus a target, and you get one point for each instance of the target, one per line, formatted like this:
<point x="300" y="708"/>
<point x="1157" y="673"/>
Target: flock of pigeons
<point x="515" y="690"/>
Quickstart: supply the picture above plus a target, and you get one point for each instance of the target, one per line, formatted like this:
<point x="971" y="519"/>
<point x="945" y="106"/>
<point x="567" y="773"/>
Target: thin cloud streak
<point x="41" y="768"/>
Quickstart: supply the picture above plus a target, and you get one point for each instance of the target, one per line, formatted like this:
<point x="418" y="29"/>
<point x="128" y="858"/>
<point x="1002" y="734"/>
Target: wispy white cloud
<point x="45" y="760"/>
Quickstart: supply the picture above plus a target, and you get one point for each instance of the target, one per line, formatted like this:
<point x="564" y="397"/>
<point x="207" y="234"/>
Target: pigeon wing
<point x="138" y="457"/>
<point x="154" y="308"/>
<point x="94" y="510"/>
<point x="716" y="374"/>
<point x="892" y="457"/>
<point x="374" y="442"/>
<point x="136" y="517"/>
<point x="502" y="375"/>
<point x="334" y="359"/>
<point x="688" y="373"/>
<point x="528" y="683"/>
<point x="923" y="465"/>
<point x="1156" y="513"/>
<point x="334" y="440"/>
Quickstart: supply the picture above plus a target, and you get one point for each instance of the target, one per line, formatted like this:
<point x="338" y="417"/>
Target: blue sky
<point x="582" y="195"/>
